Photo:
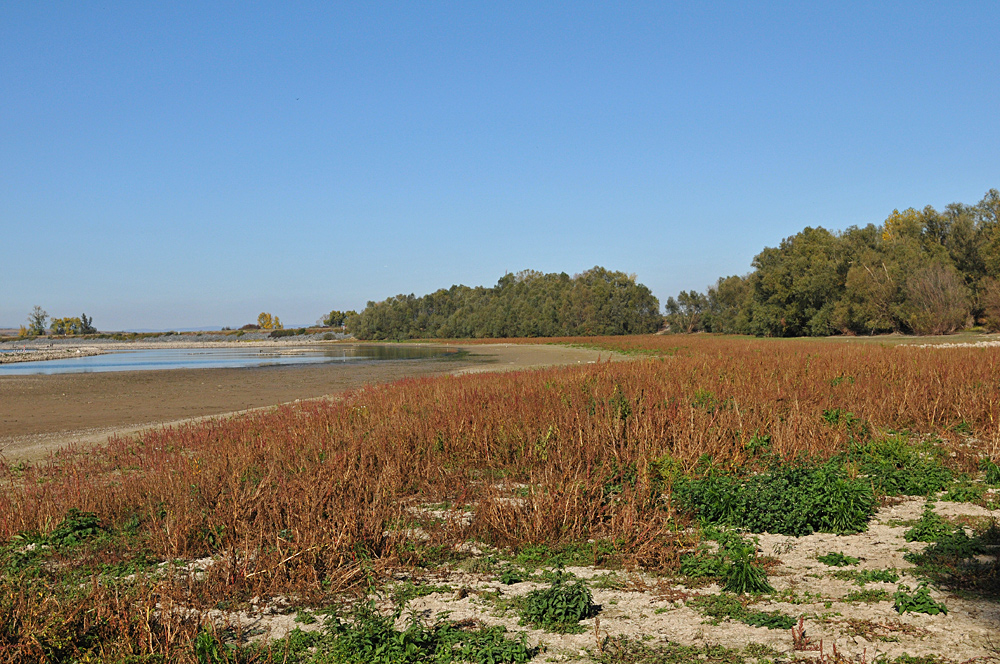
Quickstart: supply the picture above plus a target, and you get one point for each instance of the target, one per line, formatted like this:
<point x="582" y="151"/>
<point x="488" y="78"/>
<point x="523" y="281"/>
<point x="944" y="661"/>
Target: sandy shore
<point x="40" y="413"/>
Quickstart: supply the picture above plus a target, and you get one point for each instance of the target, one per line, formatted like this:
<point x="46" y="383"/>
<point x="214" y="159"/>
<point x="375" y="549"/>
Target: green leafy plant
<point x="837" y="560"/>
<point x="991" y="471"/>
<point x="700" y="564"/>
<point x="371" y="638"/>
<point x="796" y="499"/>
<point x="561" y="606"/>
<point x="509" y="575"/>
<point x="929" y="527"/>
<point x="964" y="492"/>
<point x="720" y="607"/>
<point x="876" y="576"/>
<point x="895" y="466"/>
<point x="744" y="574"/>
<point x="867" y="596"/>
<point x="919" y="601"/>
<point x="75" y="527"/>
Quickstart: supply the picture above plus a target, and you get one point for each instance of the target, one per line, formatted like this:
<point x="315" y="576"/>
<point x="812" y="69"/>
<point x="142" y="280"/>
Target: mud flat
<point x="40" y="413"/>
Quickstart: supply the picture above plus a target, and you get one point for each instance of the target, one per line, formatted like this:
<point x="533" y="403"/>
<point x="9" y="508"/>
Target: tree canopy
<point x="526" y="304"/>
<point x="919" y="271"/>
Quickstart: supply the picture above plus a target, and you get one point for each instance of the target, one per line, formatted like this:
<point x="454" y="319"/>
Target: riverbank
<point x="40" y="413"/>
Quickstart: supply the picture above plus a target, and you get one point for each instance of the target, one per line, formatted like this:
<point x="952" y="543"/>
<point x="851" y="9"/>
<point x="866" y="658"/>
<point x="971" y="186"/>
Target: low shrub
<point x="896" y="467"/>
<point x="929" y="527"/>
<point x="794" y="500"/>
<point x="723" y="606"/>
<point x="561" y="606"/>
<point x="371" y="638"/>
<point x="991" y="472"/>
<point x="876" y="576"/>
<point x="735" y="566"/>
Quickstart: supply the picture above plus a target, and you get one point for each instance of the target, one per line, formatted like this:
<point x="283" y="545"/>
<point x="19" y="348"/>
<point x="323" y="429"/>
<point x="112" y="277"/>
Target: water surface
<point x="220" y="358"/>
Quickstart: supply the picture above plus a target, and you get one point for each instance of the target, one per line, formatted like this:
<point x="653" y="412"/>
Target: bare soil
<point x="41" y="413"/>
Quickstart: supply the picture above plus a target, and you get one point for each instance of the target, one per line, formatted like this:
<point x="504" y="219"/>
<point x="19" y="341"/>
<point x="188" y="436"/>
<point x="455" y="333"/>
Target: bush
<point x="929" y="527"/>
<point x="371" y="638"/>
<point x="561" y="606"/>
<point x="937" y="300"/>
<point x="991" y="472"/>
<point x="791" y="500"/>
<point x="895" y="467"/>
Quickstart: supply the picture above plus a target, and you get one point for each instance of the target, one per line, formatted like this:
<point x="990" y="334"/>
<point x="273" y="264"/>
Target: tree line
<point x="525" y="304"/>
<point x="39" y="322"/>
<point x="920" y="272"/>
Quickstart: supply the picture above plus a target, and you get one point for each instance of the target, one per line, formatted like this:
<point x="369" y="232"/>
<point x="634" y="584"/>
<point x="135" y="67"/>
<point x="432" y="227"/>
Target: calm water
<point x="218" y="358"/>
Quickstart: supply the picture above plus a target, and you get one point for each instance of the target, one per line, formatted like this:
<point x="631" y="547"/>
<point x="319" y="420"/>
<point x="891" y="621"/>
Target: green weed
<point x="561" y="606"/>
<point x="991" y="472"/>
<point x="720" y="607"/>
<point x="876" y="576"/>
<point x="918" y="602"/>
<point x="964" y="491"/>
<point x="896" y="467"/>
<point x="635" y="651"/>
<point x="76" y="527"/>
<point x="867" y="596"/>
<point x="837" y="560"/>
<point x="929" y="527"/>
<point x="792" y="500"/>
<point x="371" y="638"/>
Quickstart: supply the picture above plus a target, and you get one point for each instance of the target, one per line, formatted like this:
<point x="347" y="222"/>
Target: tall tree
<point x="37" y="321"/>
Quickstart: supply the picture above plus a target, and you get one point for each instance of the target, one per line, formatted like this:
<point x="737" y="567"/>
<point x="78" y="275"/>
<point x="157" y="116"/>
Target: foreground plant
<point x="561" y="606"/>
<point x="918" y="602"/>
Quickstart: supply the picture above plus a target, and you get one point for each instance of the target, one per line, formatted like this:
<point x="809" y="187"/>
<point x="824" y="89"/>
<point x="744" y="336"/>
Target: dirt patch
<point x="40" y="413"/>
<point x="837" y="615"/>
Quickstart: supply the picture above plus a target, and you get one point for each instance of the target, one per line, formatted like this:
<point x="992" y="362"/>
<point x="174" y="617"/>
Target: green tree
<point x="727" y="306"/>
<point x="526" y="304"/>
<point x="67" y="326"/>
<point x="37" y="321"/>
<point x="337" y="318"/>
<point x="686" y="313"/>
<point x="795" y="286"/>
<point x="989" y="300"/>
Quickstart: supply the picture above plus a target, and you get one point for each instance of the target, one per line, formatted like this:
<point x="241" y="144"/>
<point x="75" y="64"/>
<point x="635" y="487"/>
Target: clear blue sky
<point x="168" y="165"/>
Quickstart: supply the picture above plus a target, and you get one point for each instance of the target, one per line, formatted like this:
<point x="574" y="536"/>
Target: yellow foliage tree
<point x="901" y="224"/>
<point x="269" y="322"/>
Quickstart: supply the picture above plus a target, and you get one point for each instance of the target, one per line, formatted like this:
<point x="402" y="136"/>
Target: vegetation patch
<point x="735" y="565"/>
<point x="920" y="601"/>
<point x="929" y="528"/>
<point x="726" y="606"/>
<point x="561" y="606"/>
<point x="895" y="466"/>
<point x="796" y="499"/>
<point x="837" y="559"/>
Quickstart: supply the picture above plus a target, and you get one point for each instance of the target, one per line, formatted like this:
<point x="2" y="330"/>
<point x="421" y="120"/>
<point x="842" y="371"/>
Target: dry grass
<point x="308" y="500"/>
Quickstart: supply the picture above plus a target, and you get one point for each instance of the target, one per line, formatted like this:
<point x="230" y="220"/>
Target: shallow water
<point x="219" y="358"/>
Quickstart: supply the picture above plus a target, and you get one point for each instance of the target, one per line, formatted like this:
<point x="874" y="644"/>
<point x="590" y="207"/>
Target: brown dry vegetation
<point x="311" y="500"/>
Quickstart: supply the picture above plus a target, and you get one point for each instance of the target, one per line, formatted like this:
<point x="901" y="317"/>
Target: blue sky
<point x="169" y="165"/>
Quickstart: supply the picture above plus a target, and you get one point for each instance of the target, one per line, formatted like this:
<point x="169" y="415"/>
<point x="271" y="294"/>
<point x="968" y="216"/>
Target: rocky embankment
<point x="37" y="355"/>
